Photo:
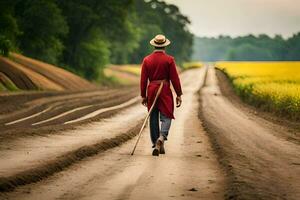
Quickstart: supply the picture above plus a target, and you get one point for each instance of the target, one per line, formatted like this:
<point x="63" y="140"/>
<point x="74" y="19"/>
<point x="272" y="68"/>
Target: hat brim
<point x="166" y="43"/>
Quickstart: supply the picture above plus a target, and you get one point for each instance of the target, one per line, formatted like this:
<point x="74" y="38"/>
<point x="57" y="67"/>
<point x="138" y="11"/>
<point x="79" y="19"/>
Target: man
<point x="158" y="68"/>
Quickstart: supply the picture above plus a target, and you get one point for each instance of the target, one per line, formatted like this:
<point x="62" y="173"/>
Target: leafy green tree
<point x="292" y="48"/>
<point x="155" y="17"/>
<point x="85" y="17"/>
<point x="92" y="55"/>
<point x="211" y="49"/>
<point x="8" y="27"/>
<point x="250" y="47"/>
<point x="122" y="51"/>
<point x="249" y="52"/>
<point x="85" y="35"/>
<point x="43" y="28"/>
<point x="175" y="27"/>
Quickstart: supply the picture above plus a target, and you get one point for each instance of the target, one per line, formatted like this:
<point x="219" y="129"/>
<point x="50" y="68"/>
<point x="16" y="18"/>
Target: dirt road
<point x="189" y="170"/>
<point x="229" y="153"/>
<point x="260" y="161"/>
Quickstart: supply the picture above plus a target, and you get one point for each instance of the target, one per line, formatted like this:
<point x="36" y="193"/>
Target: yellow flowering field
<point x="133" y="69"/>
<point x="273" y="86"/>
<point x="190" y="65"/>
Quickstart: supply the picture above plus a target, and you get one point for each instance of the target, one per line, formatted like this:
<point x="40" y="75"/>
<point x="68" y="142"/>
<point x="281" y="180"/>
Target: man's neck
<point x="159" y="50"/>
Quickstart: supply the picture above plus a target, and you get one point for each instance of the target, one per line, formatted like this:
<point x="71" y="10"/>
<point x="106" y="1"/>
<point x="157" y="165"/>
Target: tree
<point x="8" y="27"/>
<point x="109" y="19"/>
<point x="43" y="28"/>
<point x="292" y="48"/>
<point x="92" y="55"/>
<point x="249" y="52"/>
<point x="85" y="35"/>
<point x="158" y="17"/>
<point x="122" y="50"/>
<point x="261" y="47"/>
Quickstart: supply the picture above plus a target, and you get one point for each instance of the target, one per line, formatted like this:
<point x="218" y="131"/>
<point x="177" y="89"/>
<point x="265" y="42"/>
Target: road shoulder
<point x="292" y="132"/>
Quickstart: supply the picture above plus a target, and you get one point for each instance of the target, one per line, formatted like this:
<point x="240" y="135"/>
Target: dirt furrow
<point x="100" y="100"/>
<point x="42" y="103"/>
<point x="45" y="155"/>
<point x="57" y="126"/>
<point x="20" y="107"/>
<point x="63" y="161"/>
<point x="21" y="100"/>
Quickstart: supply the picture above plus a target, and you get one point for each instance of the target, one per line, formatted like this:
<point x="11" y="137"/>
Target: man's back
<point x="157" y="65"/>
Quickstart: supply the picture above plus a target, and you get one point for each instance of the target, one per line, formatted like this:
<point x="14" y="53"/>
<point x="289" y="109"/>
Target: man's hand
<point x="178" y="101"/>
<point x="144" y="101"/>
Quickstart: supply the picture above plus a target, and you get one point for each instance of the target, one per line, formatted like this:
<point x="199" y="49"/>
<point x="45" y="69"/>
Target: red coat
<point x="159" y="66"/>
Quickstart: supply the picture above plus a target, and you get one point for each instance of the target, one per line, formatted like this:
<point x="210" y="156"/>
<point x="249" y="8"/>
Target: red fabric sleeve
<point x="144" y="79"/>
<point x="175" y="78"/>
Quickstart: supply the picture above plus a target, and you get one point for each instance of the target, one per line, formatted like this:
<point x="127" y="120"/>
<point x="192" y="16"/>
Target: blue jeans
<point x="155" y="129"/>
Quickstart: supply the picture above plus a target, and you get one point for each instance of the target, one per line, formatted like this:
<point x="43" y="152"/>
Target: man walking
<point x="158" y="68"/>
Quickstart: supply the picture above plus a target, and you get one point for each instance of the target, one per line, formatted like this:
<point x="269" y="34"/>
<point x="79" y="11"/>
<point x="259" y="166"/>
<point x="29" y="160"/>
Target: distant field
<point x="130" y="74"/>
<point x="273" y="86"/>
<point x="133" y="69"/>
<point x="124" y="74"/>
<point x="191" y="65"/>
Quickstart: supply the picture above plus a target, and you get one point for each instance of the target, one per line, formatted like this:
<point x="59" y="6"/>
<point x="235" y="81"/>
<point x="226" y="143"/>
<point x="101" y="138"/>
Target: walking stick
<point x="148" y="115"/>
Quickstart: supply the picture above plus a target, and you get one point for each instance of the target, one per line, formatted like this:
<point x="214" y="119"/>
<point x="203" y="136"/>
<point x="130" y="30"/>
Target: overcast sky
<point x="241" y="17"/>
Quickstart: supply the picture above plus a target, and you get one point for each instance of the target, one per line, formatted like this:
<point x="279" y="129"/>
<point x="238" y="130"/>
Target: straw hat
<point x="160" y="41"/>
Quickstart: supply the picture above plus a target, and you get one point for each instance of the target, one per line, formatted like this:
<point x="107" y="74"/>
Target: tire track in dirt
<point x="66" y="113"/>
<point x="46" y="99"/>
<point x="65" y="105"/>
<point x="30" y="106"/>
<point x="47" y="155"/>
<point x="102" y="110"/>
<point x="24" y="129"/>
<point x="29" y="117"/>
<point x="88" y="116"/>
<point x="259" y="163"/>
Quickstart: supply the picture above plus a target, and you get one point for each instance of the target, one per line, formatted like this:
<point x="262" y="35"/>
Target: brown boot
<point x="162" y="149"/>
<point x="157" y="148"/>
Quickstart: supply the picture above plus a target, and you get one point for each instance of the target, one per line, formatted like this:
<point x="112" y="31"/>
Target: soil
<point x="293" y="127"/>
<point x="15" y="73"/>
<point x="55" y="104"/>
<point x="217" y="148"/>
<point x="31" y="74"/>
<point x="260" y="160"/>
<point x="40" y="81"/>
<point x="56" y="75"/>
<point x="189" y="170"/>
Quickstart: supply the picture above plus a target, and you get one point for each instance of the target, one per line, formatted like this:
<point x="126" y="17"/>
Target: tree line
<point x="83" y="36"/>
<point x="250" y="48"/>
